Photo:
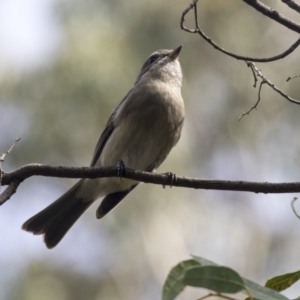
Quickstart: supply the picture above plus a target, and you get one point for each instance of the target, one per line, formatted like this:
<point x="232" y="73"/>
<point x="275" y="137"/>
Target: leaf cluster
<point x="202" y="273"/>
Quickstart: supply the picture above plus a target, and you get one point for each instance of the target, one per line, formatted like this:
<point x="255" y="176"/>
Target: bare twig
<point x="274" y="15"/>
<point x="253" y="73"/>
<point x="257" y="73"/>
<point x="255" y="105"/>
<point x="292" y="4"/>
<point x="198" y="30"/>
<point x="292" y="77"/>
<point x="184" y="13"/>
<point x="220" y="295"/>
<point x="27" y="171"/>
<point x="293" y="207"/>
<point x="2" y="158"/>
<point x="272" y="85"/>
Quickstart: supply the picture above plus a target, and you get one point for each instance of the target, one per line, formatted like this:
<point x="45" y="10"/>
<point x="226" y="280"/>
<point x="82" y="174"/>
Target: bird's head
<point x="162" y="65"/>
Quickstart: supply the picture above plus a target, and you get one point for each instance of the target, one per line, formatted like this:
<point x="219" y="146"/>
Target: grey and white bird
<point x="142" y="130"/>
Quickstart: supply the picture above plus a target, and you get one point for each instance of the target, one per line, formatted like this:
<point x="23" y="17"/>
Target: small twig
<point x="184" y="13"/>
<point x="292" y="4"/>
<point x="2" y="158"/>
<point x="264" y="80"/>
<point x="198" y="30"/>
<point x="196" y="15"/>
<point x="256" y="104"/>
<point x="206" y="296"/>
<point x="253" y="73"/>
<point x="272" y="85"/>
<point x="216" y="295"/>
<point x="292" y="77"/>
<point x="293" y="207"/>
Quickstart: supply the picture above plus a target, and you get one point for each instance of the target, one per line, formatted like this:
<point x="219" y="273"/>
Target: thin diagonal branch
<point x="274" y="15"/>
<point x="292" y="4"/>
<point x="3" y="155"/>
<point x="292" y="77"/>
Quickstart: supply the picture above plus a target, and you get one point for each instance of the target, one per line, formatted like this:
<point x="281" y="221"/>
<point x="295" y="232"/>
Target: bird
<point x="140" y="133"/>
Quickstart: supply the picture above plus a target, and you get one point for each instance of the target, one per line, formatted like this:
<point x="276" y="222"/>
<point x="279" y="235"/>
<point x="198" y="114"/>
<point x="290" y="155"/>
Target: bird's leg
<point x="121" y="169"/>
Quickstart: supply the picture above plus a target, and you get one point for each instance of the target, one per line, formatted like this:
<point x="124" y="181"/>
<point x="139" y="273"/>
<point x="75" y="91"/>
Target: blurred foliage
<point x="60" y="108"/>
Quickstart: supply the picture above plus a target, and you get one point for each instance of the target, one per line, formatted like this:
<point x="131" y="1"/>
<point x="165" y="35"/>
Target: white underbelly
<point x="92" y="189"/>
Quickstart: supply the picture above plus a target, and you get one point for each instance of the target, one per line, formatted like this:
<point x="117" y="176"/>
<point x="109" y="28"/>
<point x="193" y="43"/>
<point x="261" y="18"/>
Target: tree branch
<point x="12" y="188"/>
<point x="198" y="30"/>
<point x="270" y="84"/>
<point x="257" y="73"/>
<point x="16" y="177"/>
<point x="9" y="191"/>
<point x="249" y="60"/>
<point x="292" y="77"/>
<point x="3" y="155"/>
<point x="256" y="104"/>
<point x="292" y="4"/>
<point x="274" y="15"/>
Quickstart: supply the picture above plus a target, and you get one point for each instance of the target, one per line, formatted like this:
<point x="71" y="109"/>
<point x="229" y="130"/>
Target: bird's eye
<point x="152" y="59"/>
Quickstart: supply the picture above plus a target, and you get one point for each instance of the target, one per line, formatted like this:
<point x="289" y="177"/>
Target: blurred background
<point x="64" y="67"/>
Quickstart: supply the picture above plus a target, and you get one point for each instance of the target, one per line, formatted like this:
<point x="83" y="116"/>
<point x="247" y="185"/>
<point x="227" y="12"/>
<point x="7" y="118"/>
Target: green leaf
<point x="175" y="282"/>
<point x="282" y="282"/>
<point x="256" y="290"/>
<point x="174" y="285"/>
<point x="203" y="261"/>
<point x="215" y="278"/>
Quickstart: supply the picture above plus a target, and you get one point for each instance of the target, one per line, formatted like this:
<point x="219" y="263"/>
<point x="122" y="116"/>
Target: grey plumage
<point x="141" y="132"/>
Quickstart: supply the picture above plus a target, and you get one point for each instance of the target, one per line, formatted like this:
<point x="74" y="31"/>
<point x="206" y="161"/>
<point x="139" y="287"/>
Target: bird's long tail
<point x="56" y="219"/>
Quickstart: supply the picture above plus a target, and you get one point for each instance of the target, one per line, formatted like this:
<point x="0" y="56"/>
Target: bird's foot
<point x="171" y="179"/>
<point x="121" y="169"/>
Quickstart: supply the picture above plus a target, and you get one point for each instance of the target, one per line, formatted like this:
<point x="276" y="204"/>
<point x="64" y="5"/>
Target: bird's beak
<point x="175" y="53"/>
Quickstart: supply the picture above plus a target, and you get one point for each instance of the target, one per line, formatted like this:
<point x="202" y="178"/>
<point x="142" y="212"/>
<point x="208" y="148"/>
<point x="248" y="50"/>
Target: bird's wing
<point x="110" y="126"/>
<point x="111" y="201"/>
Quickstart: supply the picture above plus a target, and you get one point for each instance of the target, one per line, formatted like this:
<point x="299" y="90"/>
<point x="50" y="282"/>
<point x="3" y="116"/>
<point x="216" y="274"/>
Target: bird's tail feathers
<point x="56" y="219"/>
